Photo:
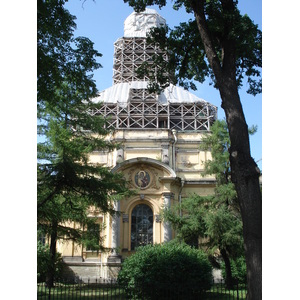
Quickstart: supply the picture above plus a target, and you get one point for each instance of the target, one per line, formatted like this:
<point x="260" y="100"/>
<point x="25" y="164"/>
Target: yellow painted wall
<point x="154" y="144"/>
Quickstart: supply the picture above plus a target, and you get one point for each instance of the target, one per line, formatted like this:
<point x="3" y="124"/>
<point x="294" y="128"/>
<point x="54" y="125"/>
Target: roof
<point x="120" y="93"/>
<point x="137" y="25"/>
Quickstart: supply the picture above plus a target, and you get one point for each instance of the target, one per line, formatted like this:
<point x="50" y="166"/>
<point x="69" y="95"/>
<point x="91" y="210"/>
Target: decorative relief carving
<point x="125" y="218"/>
<point x="143" y="177"/>
<point x="165" y="154"/>
<point x="157" y="218"/>
<point x="155" y="183"/>
<point x="120" y="156"/>
<point x="190" y="161"/>
<point x="130" y="176"/>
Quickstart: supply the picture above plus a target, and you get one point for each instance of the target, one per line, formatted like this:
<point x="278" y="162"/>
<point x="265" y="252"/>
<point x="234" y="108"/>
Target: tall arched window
<point x="141" y="226"/>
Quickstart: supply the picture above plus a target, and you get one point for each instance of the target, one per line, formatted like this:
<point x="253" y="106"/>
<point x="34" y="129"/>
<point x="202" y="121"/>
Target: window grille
<point x="141" y="226"/>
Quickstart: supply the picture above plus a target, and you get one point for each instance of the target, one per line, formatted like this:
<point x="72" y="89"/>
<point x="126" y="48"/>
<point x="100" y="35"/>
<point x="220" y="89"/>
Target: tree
<point x="216" y="219"/>
<point x="44" y="262"/>
<point x="68" y="185"/>
<point x="225" y="45"/>
<point x="212" y="225"/>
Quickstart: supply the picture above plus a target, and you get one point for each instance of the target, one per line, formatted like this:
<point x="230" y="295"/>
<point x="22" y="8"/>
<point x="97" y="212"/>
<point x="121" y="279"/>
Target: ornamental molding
<point x="153" y="163"/>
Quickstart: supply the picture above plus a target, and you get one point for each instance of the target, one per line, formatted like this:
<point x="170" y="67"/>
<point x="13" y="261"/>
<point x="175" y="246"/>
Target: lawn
<point x="112" y="292"/>
<point x="82" y="291"/>
<point x="225" y="295"/>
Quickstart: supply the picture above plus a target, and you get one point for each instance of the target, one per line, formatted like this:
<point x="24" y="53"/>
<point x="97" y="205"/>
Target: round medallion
<point x="142" y="179"/>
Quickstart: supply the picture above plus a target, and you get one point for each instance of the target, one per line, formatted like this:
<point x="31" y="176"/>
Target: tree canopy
<point x="186" y="51"/>
<point x="213" y="222"/>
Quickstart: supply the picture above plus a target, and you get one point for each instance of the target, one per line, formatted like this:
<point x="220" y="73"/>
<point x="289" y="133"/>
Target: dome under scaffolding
<point x="128" y="103"/>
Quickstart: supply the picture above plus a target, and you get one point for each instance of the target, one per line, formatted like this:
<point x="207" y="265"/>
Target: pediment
<point x="145" y="173"/>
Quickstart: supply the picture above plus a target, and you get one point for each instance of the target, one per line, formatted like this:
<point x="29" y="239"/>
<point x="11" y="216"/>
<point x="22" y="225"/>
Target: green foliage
<point x="155" y="271"/>
<point x="190" y="224"/>
<point x="238" y="269"/>
<point x="44" y="262"/>
<point x="224" y="229"/>
<point x="218" y="143"/>
<point x="68" y="184"/>
<point x="215" y="219"/>
<point x="61" y="57"/>
<point x="217" y="224"/>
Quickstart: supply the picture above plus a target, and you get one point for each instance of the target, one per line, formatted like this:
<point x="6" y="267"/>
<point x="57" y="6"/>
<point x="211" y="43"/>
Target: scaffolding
<point x="129" y="105"/>
<point x="129" y="54"/>
<point x="144" y="111"/>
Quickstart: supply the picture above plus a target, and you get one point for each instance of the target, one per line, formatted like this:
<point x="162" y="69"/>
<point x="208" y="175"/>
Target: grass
<point x="82" y="291"/>
<point x="113" y="292"/>
<point x="225" y="295"/>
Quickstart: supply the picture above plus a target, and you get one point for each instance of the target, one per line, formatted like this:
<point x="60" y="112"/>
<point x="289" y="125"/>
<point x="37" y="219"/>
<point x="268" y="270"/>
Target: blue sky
<point x="103" y="22"/>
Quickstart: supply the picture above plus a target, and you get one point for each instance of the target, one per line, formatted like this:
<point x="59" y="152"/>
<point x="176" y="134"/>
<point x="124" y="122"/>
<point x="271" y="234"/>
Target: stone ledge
<point x="71" y="259"/>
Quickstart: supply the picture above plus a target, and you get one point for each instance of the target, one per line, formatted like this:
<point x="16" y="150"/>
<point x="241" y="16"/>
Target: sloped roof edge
<point x="119" y="93"/>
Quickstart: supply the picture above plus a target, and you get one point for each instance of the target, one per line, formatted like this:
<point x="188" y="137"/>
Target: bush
<point x="238" y="269"/>
<point x="173" y="270"/>
<point x="44" y="261"/>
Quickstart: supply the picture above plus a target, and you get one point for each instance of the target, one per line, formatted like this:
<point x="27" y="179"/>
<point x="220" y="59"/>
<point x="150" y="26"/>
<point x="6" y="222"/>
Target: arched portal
<point x="141" y="226"/>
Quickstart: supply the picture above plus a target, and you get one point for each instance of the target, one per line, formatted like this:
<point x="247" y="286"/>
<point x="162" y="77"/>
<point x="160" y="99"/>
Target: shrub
<point x="238" y="269"/>
<point x="168" y="270"/>
<point x="43" y="262"/>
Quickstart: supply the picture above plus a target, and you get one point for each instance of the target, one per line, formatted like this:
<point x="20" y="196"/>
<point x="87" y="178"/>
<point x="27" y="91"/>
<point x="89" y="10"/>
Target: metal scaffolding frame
<point x="129" y="54"/>
<point x="140" y="109"/>
<point x="143" y="111"/>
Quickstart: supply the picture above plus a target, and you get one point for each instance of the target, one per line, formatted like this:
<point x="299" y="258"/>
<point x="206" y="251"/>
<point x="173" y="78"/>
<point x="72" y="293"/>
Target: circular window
<point x="142" y="179"/>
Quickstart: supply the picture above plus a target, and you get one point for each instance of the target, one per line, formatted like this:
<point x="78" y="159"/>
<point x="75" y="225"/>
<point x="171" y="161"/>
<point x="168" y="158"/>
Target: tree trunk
<point x="245" y="173"/>
<point x="229" y="279"/>
<point x="51" y="270"/>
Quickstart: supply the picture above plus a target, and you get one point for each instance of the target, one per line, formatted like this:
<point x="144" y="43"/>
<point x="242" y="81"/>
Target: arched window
<point x="141" y="226"/>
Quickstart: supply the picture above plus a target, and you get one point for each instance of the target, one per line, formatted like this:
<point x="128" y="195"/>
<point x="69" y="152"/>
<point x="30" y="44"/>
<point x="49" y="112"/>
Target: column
<point x="115" y="235"/>
<point x="125" y="233"/>
<point x="167" y="225"/>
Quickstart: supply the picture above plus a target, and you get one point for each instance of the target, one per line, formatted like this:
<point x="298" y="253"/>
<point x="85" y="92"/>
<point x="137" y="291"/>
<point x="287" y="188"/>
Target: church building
<point x="159" y="156"/>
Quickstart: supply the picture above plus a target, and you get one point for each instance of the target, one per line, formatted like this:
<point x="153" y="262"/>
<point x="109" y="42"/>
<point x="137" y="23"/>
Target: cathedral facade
<point x="159" y="154"/>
